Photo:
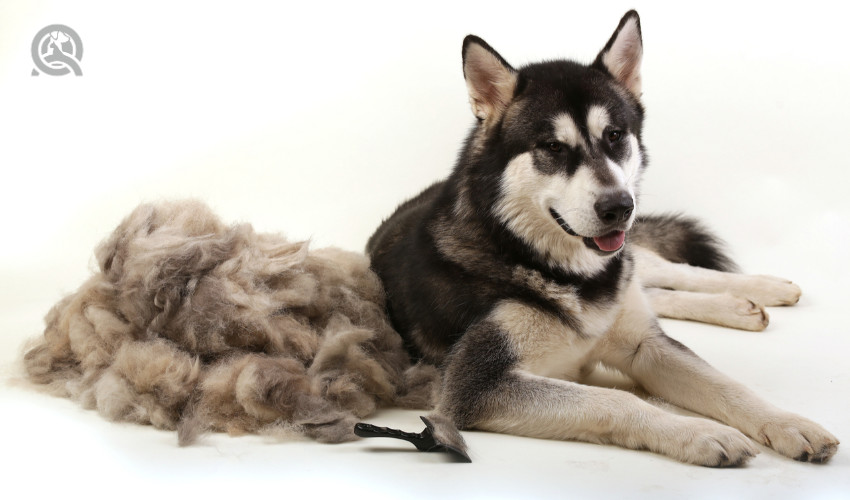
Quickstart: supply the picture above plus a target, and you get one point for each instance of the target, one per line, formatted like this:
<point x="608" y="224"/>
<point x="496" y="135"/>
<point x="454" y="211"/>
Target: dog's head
<point x="562" y="140"/>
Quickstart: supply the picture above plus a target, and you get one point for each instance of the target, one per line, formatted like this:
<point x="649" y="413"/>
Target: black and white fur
<point x="528" y="267"/>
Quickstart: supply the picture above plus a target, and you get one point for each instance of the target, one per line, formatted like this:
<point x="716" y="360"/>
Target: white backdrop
<point x="317" y="120"/>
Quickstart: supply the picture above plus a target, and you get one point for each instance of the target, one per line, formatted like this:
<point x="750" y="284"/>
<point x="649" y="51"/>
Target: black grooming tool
<point x="431" y="439"/>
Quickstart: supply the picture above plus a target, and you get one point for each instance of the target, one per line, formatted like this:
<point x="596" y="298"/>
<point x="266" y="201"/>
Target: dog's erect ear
<point x="491" y="81"/>
<point x="622" y="54"/>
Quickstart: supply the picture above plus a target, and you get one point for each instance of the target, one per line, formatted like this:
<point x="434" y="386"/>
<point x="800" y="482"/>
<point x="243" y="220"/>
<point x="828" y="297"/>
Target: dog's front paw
<point x="704" y="442"/>
<point x="799" y="438"/>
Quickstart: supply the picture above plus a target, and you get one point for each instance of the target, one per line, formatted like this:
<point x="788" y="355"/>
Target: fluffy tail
<point x="681" y="239"/>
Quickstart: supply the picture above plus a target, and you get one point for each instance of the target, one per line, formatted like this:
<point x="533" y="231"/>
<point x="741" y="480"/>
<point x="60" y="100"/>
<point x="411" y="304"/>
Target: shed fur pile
<point x="193" y="325"/>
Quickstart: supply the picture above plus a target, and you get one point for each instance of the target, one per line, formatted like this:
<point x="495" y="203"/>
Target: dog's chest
<point x="588" y="318"/>
<point x="556" y="345"/>
<point x="567" y="347"/>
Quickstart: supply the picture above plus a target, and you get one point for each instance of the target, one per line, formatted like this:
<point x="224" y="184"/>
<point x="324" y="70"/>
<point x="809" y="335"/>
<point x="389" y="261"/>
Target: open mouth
<point x="607" y="243"/>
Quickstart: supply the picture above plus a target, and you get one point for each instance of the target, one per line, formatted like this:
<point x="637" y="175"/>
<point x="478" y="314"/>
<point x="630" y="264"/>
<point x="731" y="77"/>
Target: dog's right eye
<point x="554" y="146"/>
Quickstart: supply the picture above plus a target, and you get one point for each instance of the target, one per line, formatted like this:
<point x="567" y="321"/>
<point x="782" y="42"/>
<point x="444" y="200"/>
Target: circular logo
<point x="56" y="51"/>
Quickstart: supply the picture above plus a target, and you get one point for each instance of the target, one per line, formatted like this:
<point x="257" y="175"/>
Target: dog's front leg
<point x="666" y="368"/>
<point x="486" y="387"/>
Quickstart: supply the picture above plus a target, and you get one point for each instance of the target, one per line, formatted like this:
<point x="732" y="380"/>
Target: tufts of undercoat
<point x="196" y="326"/>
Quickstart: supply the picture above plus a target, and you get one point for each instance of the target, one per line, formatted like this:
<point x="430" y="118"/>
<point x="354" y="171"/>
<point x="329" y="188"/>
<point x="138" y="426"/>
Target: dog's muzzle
<point x="605" y="244"/>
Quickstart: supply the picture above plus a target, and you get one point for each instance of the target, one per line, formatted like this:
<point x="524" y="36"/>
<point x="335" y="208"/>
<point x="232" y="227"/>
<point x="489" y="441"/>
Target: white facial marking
<point x="597" y="120"/>
<point x="628" y="172"/>
<point x="626" y="175"/>
<point x="567" y="131"/>
<point x="526" y="196"/>
<point x="617" y="172"/>
<point x="576" y="202"/>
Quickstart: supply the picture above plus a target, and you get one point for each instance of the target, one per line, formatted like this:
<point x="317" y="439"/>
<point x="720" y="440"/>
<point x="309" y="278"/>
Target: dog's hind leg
<point x="722" y="309"/>
<point x="656" y="272"/>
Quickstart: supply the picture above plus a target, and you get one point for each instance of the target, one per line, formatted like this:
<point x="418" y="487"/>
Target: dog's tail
<point x="682" y="239"/>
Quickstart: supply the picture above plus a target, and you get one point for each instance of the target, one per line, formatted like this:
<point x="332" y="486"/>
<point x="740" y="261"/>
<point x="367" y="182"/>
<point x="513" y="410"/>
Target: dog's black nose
<point x="614" y="207"/>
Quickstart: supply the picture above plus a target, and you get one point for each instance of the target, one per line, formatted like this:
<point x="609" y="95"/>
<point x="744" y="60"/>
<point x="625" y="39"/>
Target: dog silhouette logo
<point x="56" y="51"/>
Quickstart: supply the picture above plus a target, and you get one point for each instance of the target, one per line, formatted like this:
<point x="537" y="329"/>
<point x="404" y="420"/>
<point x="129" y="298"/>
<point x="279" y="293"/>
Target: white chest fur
<point x="545" y="344"/>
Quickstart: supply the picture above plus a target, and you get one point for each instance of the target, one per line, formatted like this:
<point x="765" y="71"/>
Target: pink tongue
<point x="611" y="241"/>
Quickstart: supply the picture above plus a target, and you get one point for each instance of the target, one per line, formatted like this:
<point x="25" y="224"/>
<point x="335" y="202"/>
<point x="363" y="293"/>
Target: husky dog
<point x="529" y="267"/>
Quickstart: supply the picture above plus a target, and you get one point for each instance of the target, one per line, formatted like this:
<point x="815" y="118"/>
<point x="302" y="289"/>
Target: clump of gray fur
<point x="197" y="326"/>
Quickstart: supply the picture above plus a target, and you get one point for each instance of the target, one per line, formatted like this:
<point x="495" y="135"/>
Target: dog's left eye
<point x="614" y="136"/>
